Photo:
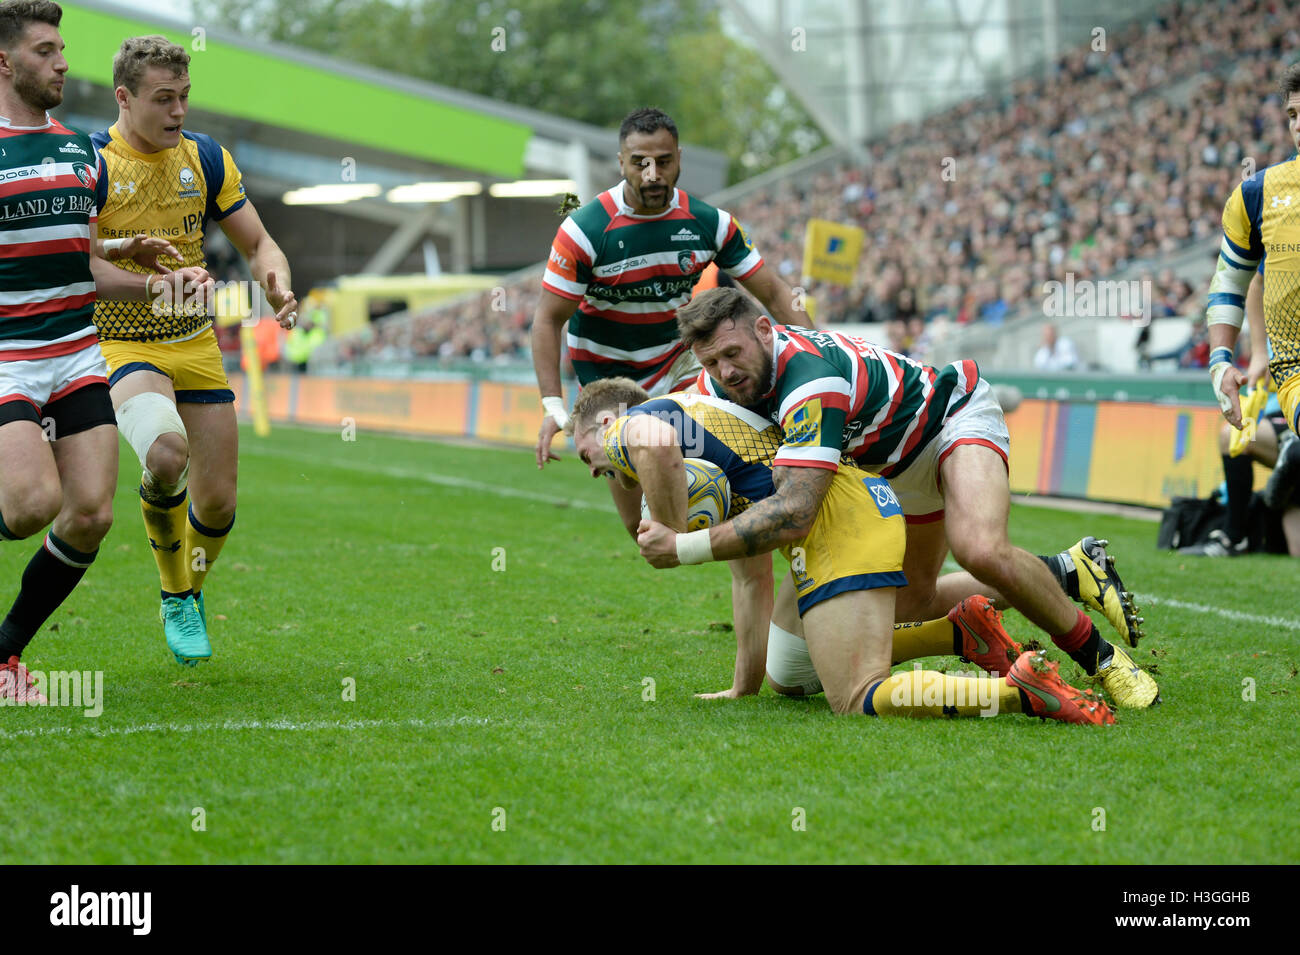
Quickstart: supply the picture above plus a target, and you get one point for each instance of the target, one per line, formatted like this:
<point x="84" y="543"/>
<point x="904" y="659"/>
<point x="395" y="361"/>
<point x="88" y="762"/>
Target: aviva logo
<point x="805" y="425"/>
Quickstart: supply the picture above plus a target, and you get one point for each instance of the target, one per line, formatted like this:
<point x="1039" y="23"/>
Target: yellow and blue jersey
<point x="741" y="443"/>
<point x="1262" y="219"/>
<point x="858" y="539"/>
<point x="173" y="194"/>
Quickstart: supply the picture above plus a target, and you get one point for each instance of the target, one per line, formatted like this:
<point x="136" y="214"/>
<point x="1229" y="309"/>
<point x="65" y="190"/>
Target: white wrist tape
<point x="694" y="548"/>
<point x="553" y="405"/>
<point x="112" y="245"/>
<point x="1217" y="372"/>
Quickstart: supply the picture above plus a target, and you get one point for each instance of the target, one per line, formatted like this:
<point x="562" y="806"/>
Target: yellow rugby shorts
<point x="856" y="543"/>
<point x="192" y="364"/>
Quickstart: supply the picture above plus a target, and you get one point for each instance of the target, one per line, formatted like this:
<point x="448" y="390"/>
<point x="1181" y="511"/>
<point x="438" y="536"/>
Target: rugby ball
<point x="708" y="495"/>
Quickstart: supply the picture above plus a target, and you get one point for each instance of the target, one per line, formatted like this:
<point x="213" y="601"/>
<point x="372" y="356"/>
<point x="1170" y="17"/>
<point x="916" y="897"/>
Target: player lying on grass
<point x="940" y="438"/>
<point x="846" y="553"/>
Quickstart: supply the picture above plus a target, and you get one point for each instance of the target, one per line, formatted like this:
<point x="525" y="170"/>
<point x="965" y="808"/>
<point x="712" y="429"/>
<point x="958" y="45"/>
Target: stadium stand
<point x="1116" y="162"/>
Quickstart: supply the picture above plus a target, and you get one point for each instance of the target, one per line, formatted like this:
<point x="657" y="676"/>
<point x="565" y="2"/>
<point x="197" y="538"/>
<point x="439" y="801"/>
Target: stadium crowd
<point x="1121" y="156"/>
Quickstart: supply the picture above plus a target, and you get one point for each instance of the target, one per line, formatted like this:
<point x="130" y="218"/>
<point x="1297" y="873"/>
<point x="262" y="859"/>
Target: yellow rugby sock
<point x="163" y="522"/>
<point x="925" y="638"/>
<point x="202" y="545"/>
<point x="930" y="693"/>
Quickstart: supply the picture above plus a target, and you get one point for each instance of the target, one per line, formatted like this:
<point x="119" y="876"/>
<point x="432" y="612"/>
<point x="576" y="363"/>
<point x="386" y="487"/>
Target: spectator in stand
<point x="1056" y="353"/>
<point x="1115" y="158"/>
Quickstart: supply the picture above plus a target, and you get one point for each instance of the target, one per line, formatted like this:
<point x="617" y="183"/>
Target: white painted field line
<point x="430" y="477"/>
<point x="1152" y="600"/>
<point x="89" y="729"/>
<point x="1287" y="623"/>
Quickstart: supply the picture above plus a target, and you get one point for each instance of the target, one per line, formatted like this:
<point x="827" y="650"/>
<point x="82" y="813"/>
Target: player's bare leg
<point x="30" y="493"/>
<point x="169" y="453"/>
<point x="977" y="502"/>
<point x="68" y="481"/>
<point x="214" y="471"/>
<point x="147" y="415"/>
<point x="977" y="505"/>
<point x="972" y="629"/>
<point x="850" y="639"/>
<point x="87" y="463"/>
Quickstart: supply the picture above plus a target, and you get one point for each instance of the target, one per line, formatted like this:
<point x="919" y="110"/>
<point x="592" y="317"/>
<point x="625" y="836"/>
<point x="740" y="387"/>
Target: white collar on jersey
<point x="776" y="350"/>
<point x="5" y="124"/>
<point x="626" y="210"/>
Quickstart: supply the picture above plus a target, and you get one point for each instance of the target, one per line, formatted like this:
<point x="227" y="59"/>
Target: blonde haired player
<point x="174" y="405"/>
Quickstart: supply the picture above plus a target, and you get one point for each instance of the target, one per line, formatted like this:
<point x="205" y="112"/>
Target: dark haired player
<point x="620" y="267"/>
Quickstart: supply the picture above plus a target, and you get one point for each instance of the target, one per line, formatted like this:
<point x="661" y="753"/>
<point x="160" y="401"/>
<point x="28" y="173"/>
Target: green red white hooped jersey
<point x="837" y="394"/>
<point x="48" y="176"/>
<point x="629" y="274"/>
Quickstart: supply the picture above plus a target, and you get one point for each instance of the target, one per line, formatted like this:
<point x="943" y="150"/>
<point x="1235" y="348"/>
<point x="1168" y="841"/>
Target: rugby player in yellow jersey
<point x="174" y="405"/>
<point x="846" y="552"/>
<point x="1261" y="221"/>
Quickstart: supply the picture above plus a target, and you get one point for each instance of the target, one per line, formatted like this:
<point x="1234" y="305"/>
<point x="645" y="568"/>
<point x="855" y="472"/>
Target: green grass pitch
<point x="500" y="710"/>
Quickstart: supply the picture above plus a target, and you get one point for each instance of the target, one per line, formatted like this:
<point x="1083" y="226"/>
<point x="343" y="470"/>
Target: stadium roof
<point x="290" y="117"/>
<point x="291" y="88"/>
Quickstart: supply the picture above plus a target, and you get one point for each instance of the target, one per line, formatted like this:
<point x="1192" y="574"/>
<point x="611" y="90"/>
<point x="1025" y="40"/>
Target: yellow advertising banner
<point x="831" y="251"/>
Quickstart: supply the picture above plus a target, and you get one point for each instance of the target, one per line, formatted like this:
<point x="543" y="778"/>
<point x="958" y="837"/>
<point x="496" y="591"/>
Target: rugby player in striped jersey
<point x="847" y="563"/>
<point x="940" y="438"/>
<point x="620" y="267"/>
<point x="58" y="439"/>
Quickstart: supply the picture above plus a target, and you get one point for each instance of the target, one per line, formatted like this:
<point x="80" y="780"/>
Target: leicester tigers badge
<point x="83" y="173"/>
<point x="686" y="262"/>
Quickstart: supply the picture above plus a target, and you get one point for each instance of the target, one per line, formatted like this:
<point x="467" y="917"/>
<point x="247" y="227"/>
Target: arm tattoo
<point x="767" y="525"/>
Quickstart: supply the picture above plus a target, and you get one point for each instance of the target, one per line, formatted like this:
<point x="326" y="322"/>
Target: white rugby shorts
<point x="980" y="422"/>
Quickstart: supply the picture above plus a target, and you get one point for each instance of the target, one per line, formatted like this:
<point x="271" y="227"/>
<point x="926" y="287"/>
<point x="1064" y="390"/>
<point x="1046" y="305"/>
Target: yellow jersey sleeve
<point x="615" y="444"/>
<point x="1237" y="226"/>
<point x="229" y="195"/>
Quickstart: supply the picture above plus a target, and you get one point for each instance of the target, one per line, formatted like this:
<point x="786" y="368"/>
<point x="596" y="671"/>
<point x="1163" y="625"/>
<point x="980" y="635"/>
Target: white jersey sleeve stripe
<point x="814" y="387"/>
<point x="35" y="295"/>
<point x="561" y="284"/>
<point x="44" y="234"/>
<point x="579" y="239"/>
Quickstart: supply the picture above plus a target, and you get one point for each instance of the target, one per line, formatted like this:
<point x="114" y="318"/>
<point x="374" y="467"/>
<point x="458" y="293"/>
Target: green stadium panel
<point x="254" y="86"/>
